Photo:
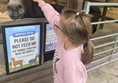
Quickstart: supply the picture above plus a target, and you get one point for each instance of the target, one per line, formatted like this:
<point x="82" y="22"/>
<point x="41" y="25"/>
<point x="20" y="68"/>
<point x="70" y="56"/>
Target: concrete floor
<point x="104" y="74"/>
<point x="107" y="73"/>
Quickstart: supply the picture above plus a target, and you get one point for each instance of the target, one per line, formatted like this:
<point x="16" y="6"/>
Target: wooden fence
<point x="40" y="74"/>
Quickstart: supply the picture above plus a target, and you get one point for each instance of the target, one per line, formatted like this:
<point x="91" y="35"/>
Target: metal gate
<point x="112" y="54"/>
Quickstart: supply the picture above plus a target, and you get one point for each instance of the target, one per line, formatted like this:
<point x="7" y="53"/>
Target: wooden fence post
<point x="75" y="4"/>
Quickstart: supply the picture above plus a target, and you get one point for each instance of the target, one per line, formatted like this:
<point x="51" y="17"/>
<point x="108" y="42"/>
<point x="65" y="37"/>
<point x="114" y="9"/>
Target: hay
<point x="4" y="17"/>
<point x="2" y="70"/>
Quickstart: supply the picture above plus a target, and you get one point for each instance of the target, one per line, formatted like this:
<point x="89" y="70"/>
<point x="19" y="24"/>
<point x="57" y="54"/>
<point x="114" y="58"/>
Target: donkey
<point x="19" y="9"/>
<point x="33" y="61"/>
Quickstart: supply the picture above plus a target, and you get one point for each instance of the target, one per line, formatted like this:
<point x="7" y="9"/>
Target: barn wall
<point x="79" y="5"/>
<point x="3" y="1"/>
<point x="71" y="3"/>
<point x="113" y="0"/>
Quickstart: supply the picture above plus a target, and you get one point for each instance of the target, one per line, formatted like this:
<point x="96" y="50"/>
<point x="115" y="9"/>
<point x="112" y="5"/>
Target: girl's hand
<point x="38" y="1"/>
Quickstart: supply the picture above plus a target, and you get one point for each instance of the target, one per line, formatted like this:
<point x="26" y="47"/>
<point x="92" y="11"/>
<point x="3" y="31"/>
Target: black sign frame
<point x="25" y="22"/>
<point x="48" y="55"/>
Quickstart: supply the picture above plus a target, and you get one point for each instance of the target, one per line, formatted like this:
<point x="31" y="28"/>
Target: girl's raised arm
<point x="50" y="13"/>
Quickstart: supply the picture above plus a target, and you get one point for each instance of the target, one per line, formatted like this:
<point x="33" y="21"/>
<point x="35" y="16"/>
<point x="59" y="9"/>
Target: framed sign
<point x="22" y="45"/>
<point x="50" y="38"/>
<point x="50" y="42"/>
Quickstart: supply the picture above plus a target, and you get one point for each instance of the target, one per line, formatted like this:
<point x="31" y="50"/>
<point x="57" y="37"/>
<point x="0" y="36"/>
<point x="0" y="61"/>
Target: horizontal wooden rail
<point x="31" y="75"/>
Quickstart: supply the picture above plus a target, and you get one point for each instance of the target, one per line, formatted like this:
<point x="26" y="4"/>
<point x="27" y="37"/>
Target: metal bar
<point x="102" y="52"/>
<point x="104" y="37"/>
<point x="102" y="4"/>
<point x="115" y="56"/>
<point x="92" y="68"/>
<point x="97" y="63"/>
<point x="114" y="47"/>
<point x="100" y="62"/>
<point x="104" y="45"/>
<point x="86" y="7"/>
<point x="106" y="50"/>
<point x="102" y="22"/>
<point x="114" y="59"/>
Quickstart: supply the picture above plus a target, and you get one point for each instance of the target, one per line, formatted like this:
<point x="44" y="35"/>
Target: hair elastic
<point x="77" y="14"/>
<point x="86" y="42"/>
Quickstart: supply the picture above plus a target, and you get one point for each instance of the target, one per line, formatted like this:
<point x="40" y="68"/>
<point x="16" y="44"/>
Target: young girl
<point x="74" y="49"/>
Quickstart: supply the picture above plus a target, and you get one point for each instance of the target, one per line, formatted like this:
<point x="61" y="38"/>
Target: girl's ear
<point x="65" y="39"/>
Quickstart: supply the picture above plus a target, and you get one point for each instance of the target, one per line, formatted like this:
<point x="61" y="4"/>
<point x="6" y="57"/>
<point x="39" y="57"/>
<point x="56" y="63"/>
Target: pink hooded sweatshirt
<point x="67" y="65"/>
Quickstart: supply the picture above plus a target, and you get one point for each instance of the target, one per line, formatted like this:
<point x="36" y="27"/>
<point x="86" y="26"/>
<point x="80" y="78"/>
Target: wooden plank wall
<point x="40" y="74"/>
